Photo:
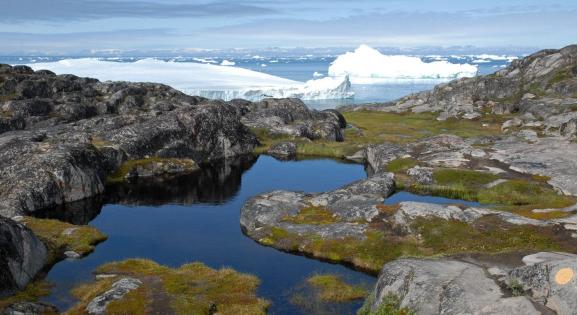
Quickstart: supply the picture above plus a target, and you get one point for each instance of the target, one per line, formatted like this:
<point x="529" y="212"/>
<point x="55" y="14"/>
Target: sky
<point x="72" y="26"/>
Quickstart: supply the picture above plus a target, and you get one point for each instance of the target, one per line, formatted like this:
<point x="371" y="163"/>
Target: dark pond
<point x="196" y="218"/>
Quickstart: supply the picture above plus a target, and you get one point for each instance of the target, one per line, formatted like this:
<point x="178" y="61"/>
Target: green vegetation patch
<point x="461" y="177"/>
<point x="155" y="165"/>
<point x="33" y="292"/>
<point x="312" y="215"/>
<point x="374" y="127"/>
<point x="333" y="288"/>
<point x="61" y="236"/>
<point x="430" y="237"/>
<point x="190" y="289"/>
<point x="401" y="165"/>
<point x="391" y="305"/>
<point x="487" y="235"/>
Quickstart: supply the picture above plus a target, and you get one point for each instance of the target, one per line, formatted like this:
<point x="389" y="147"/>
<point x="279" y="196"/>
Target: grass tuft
<point x="332" y="288"/>
<point x="312" y="215"/>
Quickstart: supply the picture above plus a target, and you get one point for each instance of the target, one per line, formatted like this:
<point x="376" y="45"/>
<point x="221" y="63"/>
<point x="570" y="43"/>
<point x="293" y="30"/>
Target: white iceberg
<point x="227" y="63"/>
<point x="368" y="66"/>
<point x="211" y="81"/>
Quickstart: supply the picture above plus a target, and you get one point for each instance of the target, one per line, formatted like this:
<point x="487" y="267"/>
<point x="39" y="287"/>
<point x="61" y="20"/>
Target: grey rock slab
<point x="119" y="289"/>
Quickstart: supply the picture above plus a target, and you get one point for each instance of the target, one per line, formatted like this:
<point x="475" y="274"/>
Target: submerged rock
<point x="30" y="308"/>
<point x="22" y="256"/>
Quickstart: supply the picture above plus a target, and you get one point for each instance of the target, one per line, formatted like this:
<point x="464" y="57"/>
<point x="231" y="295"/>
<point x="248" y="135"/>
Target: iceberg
<point x="368" y="66"/>
<point x="207" y="80"/>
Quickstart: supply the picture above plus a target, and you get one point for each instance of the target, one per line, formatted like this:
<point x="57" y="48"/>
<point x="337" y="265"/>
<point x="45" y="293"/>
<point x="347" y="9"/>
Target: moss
<point x="465" y="178"/>
<point x="486" y="235"/>
<point x="524" y="193"/>
<point x="149" y="163"/>
<point x="390" y="305"/>
<point x="454" y="191"/>
<point x="191" y="289"/>
<point x="32" y="293"/>
<point x="516" y="288"/>
<point x="61" y="236"/>
<point x="312" y="215"/>
<point x="372" y="127"/>
<point x="333" y="288"/>
<point x="431" y="237"/>
<point x="560" y="76"/>
<point x="401" y="165"/>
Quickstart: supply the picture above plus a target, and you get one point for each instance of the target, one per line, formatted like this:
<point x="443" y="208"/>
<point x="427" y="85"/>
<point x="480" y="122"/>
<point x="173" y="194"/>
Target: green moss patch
<point x="374" y="127"/>
<point x="333" y="288"/>
<point x="156" y="165"/>
<point x="391" y="305"/>
<point x="61" y="236"/>
<point x="33" y="292"/>
<point x="401" y="165"/>
<point x="461" y="177"/>
<point x="430" y="237"/>
<point x="190" y="289"/>
<point x="312" y="215"/>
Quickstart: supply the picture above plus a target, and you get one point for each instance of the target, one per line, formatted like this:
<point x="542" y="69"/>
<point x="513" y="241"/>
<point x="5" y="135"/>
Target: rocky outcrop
<point x="283" y="150"/>
<point x="22" y="256"/>
<point x="546" y="284"/>
<point x="292" y="117"/>
<point x="118" y="290"/>
<point x="548" y="73"/>
<point x="66" y="134"/>
<point x="347" y="205"/>
<point x="30" y="308"/>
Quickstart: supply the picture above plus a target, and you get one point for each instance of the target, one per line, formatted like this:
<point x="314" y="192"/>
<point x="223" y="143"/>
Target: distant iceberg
<point x="211" y="81"/>
<point x="368" y="66"/>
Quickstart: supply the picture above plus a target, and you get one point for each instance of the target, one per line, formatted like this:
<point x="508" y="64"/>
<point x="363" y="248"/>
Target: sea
<point x="305" y="68"/>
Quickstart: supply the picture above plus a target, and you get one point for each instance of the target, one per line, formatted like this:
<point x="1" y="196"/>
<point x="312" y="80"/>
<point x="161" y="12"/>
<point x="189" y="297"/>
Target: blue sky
<point x="67" y="26"/>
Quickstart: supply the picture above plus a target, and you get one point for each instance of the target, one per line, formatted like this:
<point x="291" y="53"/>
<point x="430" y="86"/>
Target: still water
<point x="196" y="218"/>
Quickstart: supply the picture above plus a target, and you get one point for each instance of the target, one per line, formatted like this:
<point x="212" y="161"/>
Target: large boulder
<point x="445" y="286"/>
<point x="22" y="256"/>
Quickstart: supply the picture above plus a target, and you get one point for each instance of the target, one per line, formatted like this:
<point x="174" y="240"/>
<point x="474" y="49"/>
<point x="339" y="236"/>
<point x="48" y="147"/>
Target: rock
<point x="118" y="290"/>
<point x="569" y="128"/>
<point x="283" y="150"/>
<point x="22" y="256"/>
<point x="409" y="211"/>
<point x="421" y="175"/>
<point x="71" y="254"/>
<point x="512" y="123"/>
<point x="445" y="287"/>
<point x="292" y="117"/>
<point x="350" y="203"/>
<point x="379" y="156"/>
<point x="552" y="157"/>
<point x="65" y="134"/>
<point x="551" y="281"/>
<point x="29" y="308"/>
<point x="546" y="257"/>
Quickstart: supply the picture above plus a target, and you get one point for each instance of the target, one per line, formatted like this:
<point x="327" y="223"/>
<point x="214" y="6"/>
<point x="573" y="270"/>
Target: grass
<point x="486" y="235"/>
<point x="149" y="163"/>
<point x="33" y="292"/>
<point x="433" y="237"/>
<point x="390" y="305"/>
<point x="560" y="76"/>
<point x="401" y="165"/>
<point x="373" y="127"/>
<point x="333" y="288"/>
<point x="191" y="289"/>
<point x="461" y="177"/>
<point x="61" y="236"/>
<point x="312" y="215"/>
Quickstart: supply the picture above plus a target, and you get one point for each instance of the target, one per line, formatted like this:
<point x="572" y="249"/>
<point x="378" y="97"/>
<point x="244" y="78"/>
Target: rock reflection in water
<point x="214" y="183"/>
